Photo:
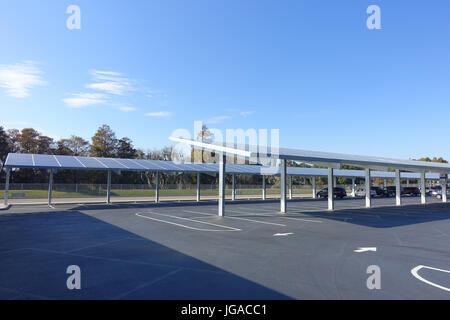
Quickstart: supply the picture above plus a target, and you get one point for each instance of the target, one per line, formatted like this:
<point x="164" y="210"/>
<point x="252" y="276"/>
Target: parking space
<point x="185" y="251"/>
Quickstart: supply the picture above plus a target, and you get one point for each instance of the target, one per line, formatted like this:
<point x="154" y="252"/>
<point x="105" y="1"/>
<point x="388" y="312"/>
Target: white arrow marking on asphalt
<point x="282" y="234"/>
<point x="359" y="250"/>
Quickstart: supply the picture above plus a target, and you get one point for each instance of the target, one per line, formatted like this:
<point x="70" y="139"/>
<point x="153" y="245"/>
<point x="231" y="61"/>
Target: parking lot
<point x="185" y="251"/>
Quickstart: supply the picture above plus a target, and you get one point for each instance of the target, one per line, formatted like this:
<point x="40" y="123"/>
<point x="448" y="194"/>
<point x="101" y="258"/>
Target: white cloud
<point x="19" y="79"/>
<point x="110" y="82"/>
<point x="217" y="119"/>
<point x="82" y="100"/>
<point x="126" y="109"/>
<point x="247" y="113"/>
<point x="159" y="114"/>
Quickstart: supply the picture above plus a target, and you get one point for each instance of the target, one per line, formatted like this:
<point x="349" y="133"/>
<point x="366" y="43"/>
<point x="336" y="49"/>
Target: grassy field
<point x="39" y="194"/>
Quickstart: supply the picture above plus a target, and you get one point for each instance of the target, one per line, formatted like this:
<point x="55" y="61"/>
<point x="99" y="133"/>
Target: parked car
<point x="433" y="191"/>
<point x="362" y="192"/>
<point x="390" y="191"/>
<point x="438" y="193"/>
<point x="338" y="193"/>
<point x="411" y="191"/>
<point x="379" y="192"/>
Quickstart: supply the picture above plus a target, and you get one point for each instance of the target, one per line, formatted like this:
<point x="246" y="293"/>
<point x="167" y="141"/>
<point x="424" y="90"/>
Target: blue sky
<point x="309" y="68"/>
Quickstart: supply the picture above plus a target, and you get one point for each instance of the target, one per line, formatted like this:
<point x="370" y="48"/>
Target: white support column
<point x="50" y="188"/>
<point x="108" y="188"/>
<point x="8" y="172"/>
<point x="368" y="184"/>
<point x="407" y="182"/>
<point x="398" y="193"/>
<point x="353" y="187"/>
<point x="423" y="194"/>
<point x="444" y="190"/>
<point x="198" y="186"/>
<point x="330" y="189"/>
<point x="264" y="187"/>
<point x="314" y="188"/>
<point x="334" y="181"/>
<point x="385" y="183"/>
<point x="290" y="187"/>
<point x="233" y="187"/>
<point x="157" y="188"/>
<point x="222" y="185"/>
<point x="283" y="170"/>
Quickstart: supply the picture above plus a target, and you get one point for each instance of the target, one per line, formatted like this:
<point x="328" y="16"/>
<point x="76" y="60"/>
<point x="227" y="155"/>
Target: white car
<point x="362" y="193"/>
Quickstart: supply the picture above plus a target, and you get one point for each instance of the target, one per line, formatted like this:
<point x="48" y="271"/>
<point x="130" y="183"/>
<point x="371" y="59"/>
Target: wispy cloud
<point x="159" y="114"/>
<point x="126" y="109"/>
<point x="247" y="113"/>
<point x="215" y="120"/>
<point x="110" y="82"/>
<point x="81" y="100"/>
<point x="19" y="79"/>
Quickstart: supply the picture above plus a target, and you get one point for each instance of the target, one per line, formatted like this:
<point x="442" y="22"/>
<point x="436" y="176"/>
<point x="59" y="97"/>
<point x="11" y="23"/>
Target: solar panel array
<point x="39" y="161"/>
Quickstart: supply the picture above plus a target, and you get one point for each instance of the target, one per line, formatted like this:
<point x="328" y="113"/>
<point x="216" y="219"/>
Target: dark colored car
<point x="390" y="191"/>
<point x="411" y="191"/>
<point x="338" y="193"/>
<point x="380" y="192"/>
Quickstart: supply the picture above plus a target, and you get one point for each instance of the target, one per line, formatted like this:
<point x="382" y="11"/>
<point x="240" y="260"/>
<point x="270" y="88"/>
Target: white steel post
<point x="330" y="189"/>
<point x="108" y="188"/>
<point x="423" y="194"/>
<point x="222" y="185"/>
<point x="290" y="187"/>
<point x="398" y="193"/>
<point x="8" y="171"/>
<point x="283" y="170"/>
<point x="444" y="189"/>
<point x="157" y="188"/>
<point x="264" y="187"/>
<point x="334" y="181"/>
<point x="314" y="188"/>
<point x="353" y="187"/>
<point x="198" y="186"/>
<point x="368" y="183"/>
<point x="50" y="188"/>
<point x="233" y="187"/>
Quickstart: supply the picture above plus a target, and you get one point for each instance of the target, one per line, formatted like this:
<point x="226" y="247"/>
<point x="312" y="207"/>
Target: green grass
<point x="39" y="194"/>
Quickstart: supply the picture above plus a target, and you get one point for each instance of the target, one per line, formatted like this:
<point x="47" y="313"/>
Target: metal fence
<point x="39" y="190"/>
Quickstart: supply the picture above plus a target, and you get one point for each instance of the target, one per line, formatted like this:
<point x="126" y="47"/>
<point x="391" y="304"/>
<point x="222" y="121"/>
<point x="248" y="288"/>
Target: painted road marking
<point x="283" y="234"/>
<point x="359" y="250"/>
<point x="185" y="226"/>
<point x="237" y="218"/>
<point x="415" y="273"/>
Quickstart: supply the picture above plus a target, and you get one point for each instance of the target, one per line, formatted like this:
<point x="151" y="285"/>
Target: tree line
<point x="104" y="143"/>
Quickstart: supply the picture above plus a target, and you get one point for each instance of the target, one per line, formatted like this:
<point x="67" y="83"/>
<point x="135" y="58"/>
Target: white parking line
<point x="185" y="226"/>
<point x="282" y="217"/>
<point x="238" y="218"/>
<point x="415" y="273"/>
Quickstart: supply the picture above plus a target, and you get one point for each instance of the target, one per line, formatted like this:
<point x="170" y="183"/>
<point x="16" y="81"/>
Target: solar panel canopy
<point x="59" y="162"/>
<point x="330" y="159"/>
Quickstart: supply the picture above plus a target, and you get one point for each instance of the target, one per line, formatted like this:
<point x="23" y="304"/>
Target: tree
<point x="125" y="149"/>
<point x="45" y="145"/>
<point x="5" y="146"/>
<point x="28" y="140"/>
<point x="104" y="143"/>
<point x="14" y="140"/>
<point x="427" y="159"/>
<point x="74" y="146"/>
<point x="197" y="155"/>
